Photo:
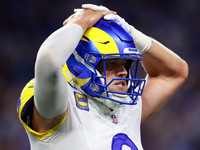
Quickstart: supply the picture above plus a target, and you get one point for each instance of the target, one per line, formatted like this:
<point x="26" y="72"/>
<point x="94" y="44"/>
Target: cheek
<point x="109" y="76"/>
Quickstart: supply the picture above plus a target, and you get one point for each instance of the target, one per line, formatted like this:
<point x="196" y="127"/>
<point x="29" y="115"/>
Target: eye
<point x="111" y="63"/>
<point x="123" y="63"/>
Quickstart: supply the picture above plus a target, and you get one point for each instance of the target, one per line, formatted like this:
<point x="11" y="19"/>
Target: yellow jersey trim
<point x="41" y="136"/>
<point x="26" y="95"/>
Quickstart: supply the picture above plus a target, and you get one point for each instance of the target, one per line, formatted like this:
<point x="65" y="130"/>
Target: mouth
<point x="118" y="86"/>
<point x="121" y="84"/>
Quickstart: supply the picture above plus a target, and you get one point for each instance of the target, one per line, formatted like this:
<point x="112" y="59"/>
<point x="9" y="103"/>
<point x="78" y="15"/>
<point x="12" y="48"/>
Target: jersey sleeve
<point x="25" y="98"/>
<point x="25" y="106"/>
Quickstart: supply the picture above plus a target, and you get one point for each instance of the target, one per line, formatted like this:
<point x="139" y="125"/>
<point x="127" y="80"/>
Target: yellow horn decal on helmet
<point x="103" y="41"/>
<point x="79" y="81"/>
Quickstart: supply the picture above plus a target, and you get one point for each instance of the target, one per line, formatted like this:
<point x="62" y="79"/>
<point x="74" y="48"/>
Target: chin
<point x="118" y="89"/>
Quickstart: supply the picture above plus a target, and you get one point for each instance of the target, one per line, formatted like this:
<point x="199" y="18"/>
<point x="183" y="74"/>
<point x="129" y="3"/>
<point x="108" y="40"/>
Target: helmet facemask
<point x="134" y="85"/>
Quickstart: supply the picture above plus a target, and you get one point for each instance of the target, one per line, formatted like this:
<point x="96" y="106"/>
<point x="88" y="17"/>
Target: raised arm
<point x="50" y="85"/>
<point x="49" y="81"/>
<point x="166" y="73"/>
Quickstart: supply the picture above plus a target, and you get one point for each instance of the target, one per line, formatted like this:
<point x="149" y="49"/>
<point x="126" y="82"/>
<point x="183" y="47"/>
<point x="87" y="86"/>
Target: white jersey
<point x="88" y="125"/>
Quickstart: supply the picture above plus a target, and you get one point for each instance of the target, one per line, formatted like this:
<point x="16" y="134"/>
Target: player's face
<point x="115" y="69"/>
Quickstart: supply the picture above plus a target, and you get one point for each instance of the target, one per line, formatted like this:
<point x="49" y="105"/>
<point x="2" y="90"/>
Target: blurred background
<point x="24" y="25"/>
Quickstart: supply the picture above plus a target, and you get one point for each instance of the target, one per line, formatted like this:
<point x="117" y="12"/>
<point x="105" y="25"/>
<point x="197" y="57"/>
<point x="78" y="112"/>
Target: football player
<point x="86" y="93"/>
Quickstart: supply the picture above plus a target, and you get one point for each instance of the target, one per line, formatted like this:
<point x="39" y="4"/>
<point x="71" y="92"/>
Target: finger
<point x="95" y="7"/>
<point x="111" y="17"/>
<point x="77" y="9"/>
<point x="102" y="8"/>
<point x="90" y="6"/>
<point x="65" y="22"/>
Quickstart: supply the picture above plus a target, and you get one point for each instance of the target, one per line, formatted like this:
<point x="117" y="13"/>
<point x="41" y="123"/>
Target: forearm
<point x="166" y="73"/>
<point x="59" y="46"/>
<point x="50" y="84"/>
<point x="160" y="61"/>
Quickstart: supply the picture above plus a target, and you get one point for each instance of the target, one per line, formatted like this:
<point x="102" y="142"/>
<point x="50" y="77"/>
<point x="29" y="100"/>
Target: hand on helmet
<point x="95" y="7"/>
<point x="106" y="17"/>
<point x="88" y="16"/>
<point x="117" y="18"/>
<point x="143" y="42"/>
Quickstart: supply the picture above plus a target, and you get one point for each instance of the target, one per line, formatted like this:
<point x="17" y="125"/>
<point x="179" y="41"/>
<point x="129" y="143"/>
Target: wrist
<point x="142" y="41"/>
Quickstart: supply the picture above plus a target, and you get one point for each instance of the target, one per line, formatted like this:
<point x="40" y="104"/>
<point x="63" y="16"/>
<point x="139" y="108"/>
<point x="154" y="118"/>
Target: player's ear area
<point x="99" y="65"/>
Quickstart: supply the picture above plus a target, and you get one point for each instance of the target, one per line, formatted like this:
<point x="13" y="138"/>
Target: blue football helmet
<point x="107" y="39"/>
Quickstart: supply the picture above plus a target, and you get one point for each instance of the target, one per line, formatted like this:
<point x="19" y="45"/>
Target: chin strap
<point x="109" y="103"/>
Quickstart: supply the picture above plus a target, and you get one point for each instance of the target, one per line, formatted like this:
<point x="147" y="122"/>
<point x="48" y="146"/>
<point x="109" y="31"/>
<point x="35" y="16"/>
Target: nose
<point x="121" y="71"/>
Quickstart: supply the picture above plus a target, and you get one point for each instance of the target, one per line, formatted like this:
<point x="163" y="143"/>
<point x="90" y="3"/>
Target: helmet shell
<point x="107" y="39"/>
